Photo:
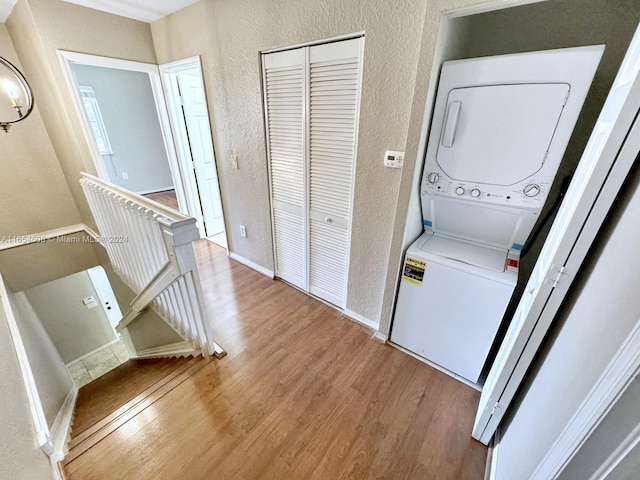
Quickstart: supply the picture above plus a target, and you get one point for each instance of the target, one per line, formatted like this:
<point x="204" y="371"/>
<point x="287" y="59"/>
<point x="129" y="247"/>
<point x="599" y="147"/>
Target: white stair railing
<point x="150" y="248"/>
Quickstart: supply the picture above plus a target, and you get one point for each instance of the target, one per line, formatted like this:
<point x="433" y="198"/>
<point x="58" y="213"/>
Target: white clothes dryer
<point x="500" y="128"/>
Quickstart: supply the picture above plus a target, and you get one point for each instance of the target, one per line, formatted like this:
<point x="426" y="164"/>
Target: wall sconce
<point x="16" y="98"/>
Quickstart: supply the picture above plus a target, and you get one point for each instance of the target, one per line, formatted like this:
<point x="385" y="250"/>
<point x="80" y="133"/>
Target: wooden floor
<point x="302" y="394"/>
<point x="167" y="198"/>
<point x="114" y="389"/>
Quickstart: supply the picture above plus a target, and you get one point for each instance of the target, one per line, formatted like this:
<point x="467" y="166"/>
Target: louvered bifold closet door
<point x="284" y="87"/>
<point x="334" y="86"/>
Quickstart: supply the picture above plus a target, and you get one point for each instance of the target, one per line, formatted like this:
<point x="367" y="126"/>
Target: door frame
<point x="68" y="59"/>
<point x="306" y="144"/>
<point x="168" y="72"/>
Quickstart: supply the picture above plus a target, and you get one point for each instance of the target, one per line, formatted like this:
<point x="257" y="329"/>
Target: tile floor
<point x="98" y="363"/>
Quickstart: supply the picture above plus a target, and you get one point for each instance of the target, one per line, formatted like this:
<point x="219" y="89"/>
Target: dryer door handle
<point x="451" y="124"/>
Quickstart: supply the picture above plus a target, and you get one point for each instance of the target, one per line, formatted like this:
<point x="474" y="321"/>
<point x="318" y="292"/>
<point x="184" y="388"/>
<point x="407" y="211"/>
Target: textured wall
<point x="49" y="372"/>
<point x="38" y="28"/>
<point x="35" y="195"/>
<point x="20" y="456"/>
<point x="229" y="36"/>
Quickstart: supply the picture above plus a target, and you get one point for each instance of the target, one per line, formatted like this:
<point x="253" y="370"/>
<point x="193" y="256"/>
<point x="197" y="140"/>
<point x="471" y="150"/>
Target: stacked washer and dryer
<point x="499" y="131"/>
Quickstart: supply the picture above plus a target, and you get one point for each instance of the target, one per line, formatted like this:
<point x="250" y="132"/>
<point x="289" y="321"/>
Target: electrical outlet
<point x="234" y="162"/>
<point x="243" y="231"/>
<point x="125" y="176"/>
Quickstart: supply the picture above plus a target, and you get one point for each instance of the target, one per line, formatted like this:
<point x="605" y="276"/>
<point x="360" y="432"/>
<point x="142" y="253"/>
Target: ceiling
<point x="143" y="10"/>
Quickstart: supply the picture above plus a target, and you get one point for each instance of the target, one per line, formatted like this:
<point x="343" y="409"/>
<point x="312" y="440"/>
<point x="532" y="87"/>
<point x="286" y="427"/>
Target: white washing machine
<point x="500" y="128"/>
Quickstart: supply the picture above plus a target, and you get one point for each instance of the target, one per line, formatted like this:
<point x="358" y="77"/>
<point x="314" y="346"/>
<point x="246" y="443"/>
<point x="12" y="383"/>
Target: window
<point x="95" y="119"/>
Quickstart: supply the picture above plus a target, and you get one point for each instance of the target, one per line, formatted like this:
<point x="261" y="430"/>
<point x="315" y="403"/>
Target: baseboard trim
<point x="381" y="337"/>
<point x="156" y="190"/>
<point x="41" y="427"/>
<point x="356" y="317"/>
<point x="248" y="263"/>
<point x="491" y="470"/>
<point x="28" y="239"/>
<point x="87" y="355"/>
<point x="62" y="426"/>
<point x="58" y="471"/>
<point x="180" y="349"/>
<point x="475" y="386"/>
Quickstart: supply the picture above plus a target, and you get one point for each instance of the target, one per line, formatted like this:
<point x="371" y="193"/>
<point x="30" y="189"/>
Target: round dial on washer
<point x="531" y="190"/>
<point x="475" y="193"/>
<point x="460" y="191"/>
<point x="433" y="177"/>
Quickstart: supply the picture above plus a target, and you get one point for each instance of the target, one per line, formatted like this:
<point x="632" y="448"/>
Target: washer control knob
<point x="433" y="177"/>
<point x="460" y="191"/>
<point x="475" y="193"/>
<point x="531" y="190"/>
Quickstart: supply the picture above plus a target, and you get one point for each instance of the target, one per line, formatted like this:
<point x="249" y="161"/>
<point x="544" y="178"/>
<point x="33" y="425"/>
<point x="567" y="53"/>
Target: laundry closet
<point x="468" y="228"/>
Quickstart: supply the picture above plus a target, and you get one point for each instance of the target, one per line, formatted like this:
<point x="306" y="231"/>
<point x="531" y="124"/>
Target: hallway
<point x="303" y="393"/>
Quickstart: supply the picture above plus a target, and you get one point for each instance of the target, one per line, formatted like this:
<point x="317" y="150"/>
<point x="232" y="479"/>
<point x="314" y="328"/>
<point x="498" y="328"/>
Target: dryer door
<point x="499" y="134"/>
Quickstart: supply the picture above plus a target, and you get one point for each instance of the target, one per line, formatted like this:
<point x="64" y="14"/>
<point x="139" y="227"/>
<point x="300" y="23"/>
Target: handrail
<point x="150" y="248"/>
<point x="170" y="213"/>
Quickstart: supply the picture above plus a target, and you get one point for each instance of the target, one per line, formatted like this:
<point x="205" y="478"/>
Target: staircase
<point x="150" y="248"/>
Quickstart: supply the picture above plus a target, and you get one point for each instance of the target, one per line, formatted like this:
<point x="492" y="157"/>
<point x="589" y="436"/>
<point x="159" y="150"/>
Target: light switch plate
<point x="393" y="159"/>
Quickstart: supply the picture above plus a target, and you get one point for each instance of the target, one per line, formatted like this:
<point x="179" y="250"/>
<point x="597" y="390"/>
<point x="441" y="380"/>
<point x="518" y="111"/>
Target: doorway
<point x="189" y="117"/>
<point x="470" y="33"/>
<point x="138" y="143"/>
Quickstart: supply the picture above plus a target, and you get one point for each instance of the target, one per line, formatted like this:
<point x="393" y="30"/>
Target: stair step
<point x="110" y="423"/>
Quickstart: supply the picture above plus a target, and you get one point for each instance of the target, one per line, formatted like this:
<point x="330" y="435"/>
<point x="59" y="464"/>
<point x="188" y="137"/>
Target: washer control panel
<point x="531" y="192"/>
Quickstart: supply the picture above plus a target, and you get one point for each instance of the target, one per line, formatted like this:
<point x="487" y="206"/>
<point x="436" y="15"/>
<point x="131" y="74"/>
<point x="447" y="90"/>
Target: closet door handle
<point x="451" y="124"/>
<point x="328" y="219"/>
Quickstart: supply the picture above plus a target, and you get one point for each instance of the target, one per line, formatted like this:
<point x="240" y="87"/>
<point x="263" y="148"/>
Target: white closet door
<point x="334" y="94"/>
<point x="284" y="87"/>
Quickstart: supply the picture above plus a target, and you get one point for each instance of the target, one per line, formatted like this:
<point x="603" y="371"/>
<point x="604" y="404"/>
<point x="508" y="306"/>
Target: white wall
<point x="20" y="455"/>
<point x="597" y="316"/>
<point x="131" y="120"/>
<point x="74" y="329"/>
<point x="49" y="371"/>
<point x="619" y="422"/>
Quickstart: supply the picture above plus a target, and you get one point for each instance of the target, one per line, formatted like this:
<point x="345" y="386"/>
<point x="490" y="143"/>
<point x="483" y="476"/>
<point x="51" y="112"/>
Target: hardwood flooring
<point x="114" y="389"/>
<point x="167" y="198"/>
<point x="303" y="393"/>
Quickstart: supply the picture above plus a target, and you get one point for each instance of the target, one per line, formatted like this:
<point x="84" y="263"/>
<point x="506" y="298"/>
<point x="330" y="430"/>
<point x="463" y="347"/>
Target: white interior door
<point x="334" y="91"/>
<point x="312" y="97"/>
<point x="186" y="101"/>
<point x="598" y="178"/>
<point x="284" y="89"/>
<point x="199" y="132"/>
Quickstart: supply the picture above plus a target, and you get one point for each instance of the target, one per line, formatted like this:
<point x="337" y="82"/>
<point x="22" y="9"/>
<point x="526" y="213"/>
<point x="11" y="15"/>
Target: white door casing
<point x="191" y="129"/>
<point x="199" y="131"/>
<point x="67" y="59"/>
<point x="597" y="180"/>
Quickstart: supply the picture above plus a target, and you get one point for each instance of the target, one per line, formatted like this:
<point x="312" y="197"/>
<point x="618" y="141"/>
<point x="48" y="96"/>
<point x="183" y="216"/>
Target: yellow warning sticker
<point x="413" y="271"/>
